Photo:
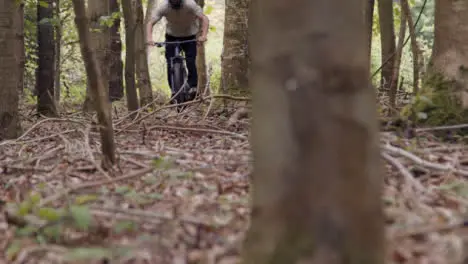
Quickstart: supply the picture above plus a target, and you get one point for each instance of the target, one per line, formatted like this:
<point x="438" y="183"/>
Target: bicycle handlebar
<point x="160" y="44"/>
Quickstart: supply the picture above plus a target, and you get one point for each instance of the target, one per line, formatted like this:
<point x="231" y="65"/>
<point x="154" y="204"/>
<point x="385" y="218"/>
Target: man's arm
<point x="205" y="24"/>
<point x="155" y="18"/>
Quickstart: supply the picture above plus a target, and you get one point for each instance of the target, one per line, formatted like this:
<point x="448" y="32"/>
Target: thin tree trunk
<point x="387" y="36"/>
<point x="58" y="52"/>
<point x="116" y="68"/>
<point x="201" y="63"/>
<point x="316" y="179"/>
<point x="97" y="84"/>
<point x="46" y="58"/>
<point x="20" y="55"/>
<point x="100" y="38"/>
<point x="132" y="98"/>
<point x="141" y="58"/>
<point x="9" y="75"/>
<point x="369" y="13"/>
<point x="414" y="45"/>
<point x="396" y="65"/>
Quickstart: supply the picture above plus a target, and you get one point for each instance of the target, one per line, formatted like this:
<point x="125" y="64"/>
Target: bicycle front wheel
<point x="178" y="83"/>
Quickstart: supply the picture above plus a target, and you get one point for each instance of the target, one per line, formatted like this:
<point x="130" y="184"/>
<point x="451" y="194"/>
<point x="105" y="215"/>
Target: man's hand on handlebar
<point x="201" y="39"/>
<point x="150" y="43"/>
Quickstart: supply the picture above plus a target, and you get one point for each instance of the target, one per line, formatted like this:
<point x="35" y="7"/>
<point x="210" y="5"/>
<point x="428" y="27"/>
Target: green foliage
<point x="436" y="104"/>
<point x="82" y="216"/>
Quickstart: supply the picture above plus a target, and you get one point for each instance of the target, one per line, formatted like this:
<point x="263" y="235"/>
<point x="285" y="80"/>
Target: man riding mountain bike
<point x="182" y="18"/>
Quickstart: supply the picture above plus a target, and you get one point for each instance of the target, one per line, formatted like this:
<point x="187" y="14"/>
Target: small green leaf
<point x="212" y="29"/>
<point x="49" y="214"/>
<point x="26" y="231"/>
<point x="208" y="9"/>
<point x="82" y="216"/>
<point x="24" y="208"/>
<point x="83" y="199"/>
<point x="89" y="254"/>
<point x="35" y="198"/>
<point x="124" y="226"/>
<point x="13" y="250"/>
<point x="53" y="232"/>
<point x="43" y="4"/>
<point x="155" y="196"/>
<point x="122" y="189"/>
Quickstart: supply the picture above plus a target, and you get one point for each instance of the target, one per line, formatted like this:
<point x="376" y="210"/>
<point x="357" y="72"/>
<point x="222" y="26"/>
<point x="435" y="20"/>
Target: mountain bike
<point x="178" y="74"/>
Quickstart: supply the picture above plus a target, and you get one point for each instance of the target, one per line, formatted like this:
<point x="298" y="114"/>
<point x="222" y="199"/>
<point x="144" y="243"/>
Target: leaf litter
<point x="180" y="192"/>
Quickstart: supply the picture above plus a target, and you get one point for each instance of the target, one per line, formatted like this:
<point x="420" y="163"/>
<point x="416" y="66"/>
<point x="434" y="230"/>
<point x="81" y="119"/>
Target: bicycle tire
<point x="178" y="83"/>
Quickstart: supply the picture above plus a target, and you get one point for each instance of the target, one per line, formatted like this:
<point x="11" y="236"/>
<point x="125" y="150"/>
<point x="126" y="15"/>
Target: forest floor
<point x="180" y="191"/>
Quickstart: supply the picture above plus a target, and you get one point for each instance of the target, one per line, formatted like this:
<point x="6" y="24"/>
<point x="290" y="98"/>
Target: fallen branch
<point x="409" y="178"/>
<point x="90" y="185"/>
<point x="203" y="130"/>
<point x="421" y="162"/>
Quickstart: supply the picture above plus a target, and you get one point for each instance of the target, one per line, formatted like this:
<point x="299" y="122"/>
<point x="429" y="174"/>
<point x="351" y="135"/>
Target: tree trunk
<point x="58" y="52"/>
<point x="387" y="36"/>
<point x="396" y="66"/>
<point x="369" y="14"/>
<point x="141" y="57"/>
<point x="132" y="98"/>
<point x="316" y="178"/>
<point x="45" y="73"/>
<point x="20" y="50"/>
<point x="9" y="76"/>
<point x="100" y="39"/>
<point x="201" y="63"/>
<point x="97" y="84"/>
<point x="414" y="45"/>
<point x="234" y="59"/>
<point x="116" y="65"/>
<point x="450" y="50"/>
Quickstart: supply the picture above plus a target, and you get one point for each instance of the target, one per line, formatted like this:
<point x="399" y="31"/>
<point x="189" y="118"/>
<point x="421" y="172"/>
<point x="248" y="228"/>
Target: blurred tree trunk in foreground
<point x="316" y="181"/>
<point x="9" y="75"/>
<point x="97" y="85"/>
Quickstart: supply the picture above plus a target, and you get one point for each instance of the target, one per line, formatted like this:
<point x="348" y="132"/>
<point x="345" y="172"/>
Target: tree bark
<point x="234" y="59"/>
<point x="414" y="45"/>
<point x="97" y="84"/>
<point x="369" y="14"/>
<point x="45" y="73"/>
<point x="58" y="52"/>
<point x="100" y="39"/>
<point x="141" y="57"/>
<point x="20" y="50"/>
<point x="450" y="50"/>
<point x="116" y="65"/>
<point x="201" y="63"/>
<point x="9" y="75"/>
<point x="132" y="98"/>
<point x="397" y="63"/>
<point x="387" y="36"/>
<point x="316" y="177"/>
